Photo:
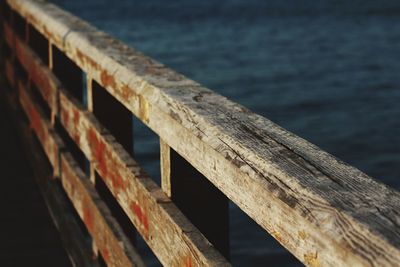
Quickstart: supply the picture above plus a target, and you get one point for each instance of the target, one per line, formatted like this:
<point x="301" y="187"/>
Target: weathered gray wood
<point x="322" y="210"/>
<point x="157" y="219"/>
<point x="165" y="166"/>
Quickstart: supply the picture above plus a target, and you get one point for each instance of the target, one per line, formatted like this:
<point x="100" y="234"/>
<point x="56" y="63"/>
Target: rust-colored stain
<point x="41" y="80"/>
<point x="108" y="167"/>
<point x="107" y="80"/>
<point x="187" y="261"/>
<point x="116" y="179"/>
<point x="76" y="118"/>
<point x="85" y="60"/>
<point x="88" y="218"/>
<point x="98" y="148"/>
<point x="35" y="70"/>
<point x="311" y="259"/>
<point x="127" y="93"/>
<point x="142" y="217"/>
<point x="35" y="122"/>
<point x="65" y="118"/>
<point x="106" y="255"/>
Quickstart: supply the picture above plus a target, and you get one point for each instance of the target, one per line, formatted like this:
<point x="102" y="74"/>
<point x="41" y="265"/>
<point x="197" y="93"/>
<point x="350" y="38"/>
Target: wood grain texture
<point x="109" y="238"/>
<point x="156" y="218"/>
<point x="173" y="239"/>
<point x="165" y="166"/>
<point x="321" y="209"/>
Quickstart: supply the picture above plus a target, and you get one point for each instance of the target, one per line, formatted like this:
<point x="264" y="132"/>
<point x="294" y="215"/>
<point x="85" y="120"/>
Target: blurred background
<point x="325" y="70"/>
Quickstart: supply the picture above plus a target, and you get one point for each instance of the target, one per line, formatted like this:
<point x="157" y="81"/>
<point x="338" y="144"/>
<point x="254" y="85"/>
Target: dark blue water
<point x="328" y="71"/>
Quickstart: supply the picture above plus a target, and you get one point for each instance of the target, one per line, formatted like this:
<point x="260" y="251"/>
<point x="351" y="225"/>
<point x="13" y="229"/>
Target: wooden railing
<point x="77" y="88"/>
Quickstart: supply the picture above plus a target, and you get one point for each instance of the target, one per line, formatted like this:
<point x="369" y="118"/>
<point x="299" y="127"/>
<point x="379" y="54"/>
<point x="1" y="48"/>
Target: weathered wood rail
<point x="322" y="210"/>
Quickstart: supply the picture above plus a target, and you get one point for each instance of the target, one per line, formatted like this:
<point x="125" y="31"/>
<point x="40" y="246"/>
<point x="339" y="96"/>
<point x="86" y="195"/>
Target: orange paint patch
<point x="36" y="122"/>
<point x="127" y="93"/>
<point x="116" y="180"/>
<point x="76" y="118"/>
<point x="106" y="255"/>
<point x="107" y="80"/>
<point x="108" y="167"/>
<point x="85" y="60"/>
<point x="88" y="218"/>
<point x="98" y="151"/>
<point x="142" y="217"/>
<point x="188" y="261"/>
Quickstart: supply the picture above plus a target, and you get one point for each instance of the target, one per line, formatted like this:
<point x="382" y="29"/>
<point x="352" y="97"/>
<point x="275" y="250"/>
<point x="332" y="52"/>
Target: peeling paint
<point x="88" y="218"/>
<point x="98" y="149"/>
<point x="107" y="80"/>
<point x="142" y="217"/>
<point x="86" y="60"/>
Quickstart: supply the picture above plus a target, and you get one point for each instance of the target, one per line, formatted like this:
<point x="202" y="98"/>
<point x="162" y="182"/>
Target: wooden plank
<point x="51" y="143"/>
<point x="156" y="218"/>
<point x="319" y="208"/>
<point x="113" y="244"/>
<point x="107" y="234"/>
<point x="72" y="237"/>
<point x="34" y="67"/>
<point x="192" y="246"/>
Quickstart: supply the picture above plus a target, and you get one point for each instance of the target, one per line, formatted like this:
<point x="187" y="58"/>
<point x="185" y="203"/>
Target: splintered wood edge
<point x="321" y="209"/>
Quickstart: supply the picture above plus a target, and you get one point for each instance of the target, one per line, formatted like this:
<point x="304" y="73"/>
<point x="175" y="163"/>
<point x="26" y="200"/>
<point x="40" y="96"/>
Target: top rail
<point x="322" y="210"/>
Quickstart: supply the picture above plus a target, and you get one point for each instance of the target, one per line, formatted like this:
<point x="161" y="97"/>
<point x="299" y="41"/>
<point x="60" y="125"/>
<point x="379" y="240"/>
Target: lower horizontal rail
<point x="154" y="215"/>
<point x="76" y="244"/>
<point x="108" y="236"/>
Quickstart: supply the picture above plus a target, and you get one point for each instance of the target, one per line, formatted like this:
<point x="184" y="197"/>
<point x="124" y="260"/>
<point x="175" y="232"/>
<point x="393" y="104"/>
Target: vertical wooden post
<point x="165" y="161"/>
<point x="201" y="202"/>
<point x="92" y="172"/>
<point x="50" y="64"/>
<point x="89" y="105"/>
